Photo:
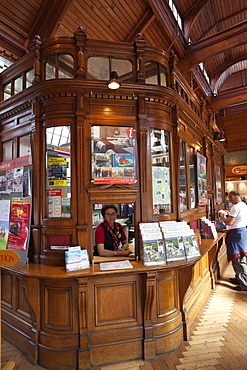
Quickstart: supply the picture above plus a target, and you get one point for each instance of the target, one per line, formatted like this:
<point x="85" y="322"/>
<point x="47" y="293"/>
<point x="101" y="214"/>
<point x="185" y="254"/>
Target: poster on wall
<point x="202" y="180"/>
<point x="113" y="155"/>
<point x="4" y="222"/>
<point x="218" y="188"/>
<point x="19" y="224"/>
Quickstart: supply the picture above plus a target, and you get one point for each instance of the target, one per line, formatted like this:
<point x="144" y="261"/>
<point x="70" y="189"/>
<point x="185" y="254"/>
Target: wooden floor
<point x="218" y="342"/>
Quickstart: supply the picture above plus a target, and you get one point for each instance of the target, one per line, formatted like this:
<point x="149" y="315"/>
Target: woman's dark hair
<point x="106" y="207"/>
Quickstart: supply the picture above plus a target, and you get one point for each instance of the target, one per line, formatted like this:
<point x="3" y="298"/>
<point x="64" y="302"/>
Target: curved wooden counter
<point x="88" y="318"/>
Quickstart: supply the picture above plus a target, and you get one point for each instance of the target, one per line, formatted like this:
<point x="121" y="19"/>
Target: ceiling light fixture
<point x="113" y="83"/>
<point x="218" y="136"/>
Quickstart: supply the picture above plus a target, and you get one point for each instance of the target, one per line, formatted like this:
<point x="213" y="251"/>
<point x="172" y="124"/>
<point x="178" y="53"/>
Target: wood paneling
<point x="94" y="318"/>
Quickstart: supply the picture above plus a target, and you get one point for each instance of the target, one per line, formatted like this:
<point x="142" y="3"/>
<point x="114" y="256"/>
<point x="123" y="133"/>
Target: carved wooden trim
<point x="101" y="194"/>
<point x="160" y="101"/>
<point x="150" y="295"/>
<point x="16" y="110"/>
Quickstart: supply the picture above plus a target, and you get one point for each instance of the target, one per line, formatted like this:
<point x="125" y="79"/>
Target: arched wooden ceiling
<point x="215" y="33"/>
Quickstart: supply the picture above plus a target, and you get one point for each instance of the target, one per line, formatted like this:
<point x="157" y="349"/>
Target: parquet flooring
<point x="218" y="340"/>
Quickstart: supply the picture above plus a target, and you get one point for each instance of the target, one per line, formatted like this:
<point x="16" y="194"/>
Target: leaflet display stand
<point x="8" y="258"/>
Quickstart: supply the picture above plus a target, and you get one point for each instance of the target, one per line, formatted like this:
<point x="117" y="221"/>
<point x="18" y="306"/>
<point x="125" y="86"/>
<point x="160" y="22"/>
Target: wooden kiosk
<point x="84" y="319"/>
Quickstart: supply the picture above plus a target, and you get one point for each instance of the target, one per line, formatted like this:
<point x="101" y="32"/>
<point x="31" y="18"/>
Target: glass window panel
<point x="7" y="91"/>
<point x="58" y="172"/>
<point x="123" y="68"/>
<point x="65" y="66"/>
<point x="29" y="78"/>
<point x="4" y="63"/>
<point x="163" y="81"/>
<point x="161" y="179"/>
<point x="24" y="145"/>
<point x="98" y="68"/>
<point x="18" y="83"/>
<point x="125" y="216"/>
<point x="218" y="185"/>
<point x="192" y="167"/>
<point x="50" y="68"/>
<point x="8" y="150"/>
<point x="183" y="205"/>
<point x="151" y="70"/>
<point x="202" y="174"/>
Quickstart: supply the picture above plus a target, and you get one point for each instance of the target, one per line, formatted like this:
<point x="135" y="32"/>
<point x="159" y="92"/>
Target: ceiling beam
<point x="223" y="100"/>
<point x="214" y="77"/>
<point x="140" y="27"/>
<point x="191" y="16"/>
<point x="50" y="15"/>
<point x="163" y="14"/>
<point x="202" y="50"/>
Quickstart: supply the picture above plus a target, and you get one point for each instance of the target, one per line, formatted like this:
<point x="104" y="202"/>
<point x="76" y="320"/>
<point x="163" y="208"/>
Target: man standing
<point x="236" y="240"/>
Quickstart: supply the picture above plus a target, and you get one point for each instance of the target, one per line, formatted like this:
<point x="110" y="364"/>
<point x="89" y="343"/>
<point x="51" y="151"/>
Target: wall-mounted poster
<point x="4" y="222"/>
<point x="202" y="180"/>
<point x="218" y="188"/>
<point x="113" y="159"/>
<point x="19" y="225"/>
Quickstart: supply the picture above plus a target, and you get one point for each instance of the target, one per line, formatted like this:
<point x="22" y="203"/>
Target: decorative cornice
<point x="160" y="101"/>
<point x="56" y="95"/>
<point x="16" y="110"/>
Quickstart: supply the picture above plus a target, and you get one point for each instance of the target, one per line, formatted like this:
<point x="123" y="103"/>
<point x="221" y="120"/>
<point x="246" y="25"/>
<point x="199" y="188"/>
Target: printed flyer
<point x="4" y="222"/>
<point x="19" y="223"/>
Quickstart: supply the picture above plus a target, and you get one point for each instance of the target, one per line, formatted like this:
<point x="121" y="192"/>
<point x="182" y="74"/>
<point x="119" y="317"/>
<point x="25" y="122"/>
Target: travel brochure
<point x="76" y="259"/>
<point x="167" y="241"/>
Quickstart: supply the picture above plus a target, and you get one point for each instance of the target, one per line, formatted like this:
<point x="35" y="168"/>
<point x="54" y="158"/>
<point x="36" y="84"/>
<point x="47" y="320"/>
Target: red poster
<point x="19" y="224"/>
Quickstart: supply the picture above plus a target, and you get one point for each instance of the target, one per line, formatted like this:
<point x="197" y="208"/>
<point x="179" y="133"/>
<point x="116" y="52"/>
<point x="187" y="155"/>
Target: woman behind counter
<point x="110" y="234"/>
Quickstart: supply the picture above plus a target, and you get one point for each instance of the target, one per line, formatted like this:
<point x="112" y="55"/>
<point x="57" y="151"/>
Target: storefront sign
<point x="239" y="170"/>
<point x="8" y="257"/>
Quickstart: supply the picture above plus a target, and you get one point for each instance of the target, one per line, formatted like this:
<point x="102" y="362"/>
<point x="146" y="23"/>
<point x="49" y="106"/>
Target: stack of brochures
<point x="153" y="252"/>
<point x="208" y="228"/>
<point x="76" y="259"/>
<point x="167" y="241"/>
<point x="180" y="241"/>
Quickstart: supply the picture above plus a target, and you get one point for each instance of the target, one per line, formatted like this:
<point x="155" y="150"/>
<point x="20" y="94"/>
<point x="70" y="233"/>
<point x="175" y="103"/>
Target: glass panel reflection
<point x="192" y="166"/>
<point x="182" y="179"/>
<point x="161" y="172"/>
<point x="58" y="171"/>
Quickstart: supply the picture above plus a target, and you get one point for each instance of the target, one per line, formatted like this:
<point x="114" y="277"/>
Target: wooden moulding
<point x="91" y="318"/>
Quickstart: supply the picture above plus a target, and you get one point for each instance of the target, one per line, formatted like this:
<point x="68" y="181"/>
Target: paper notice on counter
<point x="118" y="265"/>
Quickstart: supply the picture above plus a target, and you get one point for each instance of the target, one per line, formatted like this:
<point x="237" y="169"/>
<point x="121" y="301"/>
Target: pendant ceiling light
<point x="113" y="83"/>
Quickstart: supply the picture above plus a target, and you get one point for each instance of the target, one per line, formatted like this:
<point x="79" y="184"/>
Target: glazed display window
<point x="125" y="216"/>
<point x="183" y="200"/>
<point x="18" y="83"/>
<point x="59" y="66"/>
<point x="218" y="185"/>
<point x="192" y="174"/>
<point x="113" y="157"/>
<point x="29" y="77"/>
<point x="161" y="177"/>
<point x="99" y="68"/>
<point x="155" y="74"/>
<point x="7" y="91"/>
<point x="202" y="179"/>
<point x="58" y="171"/>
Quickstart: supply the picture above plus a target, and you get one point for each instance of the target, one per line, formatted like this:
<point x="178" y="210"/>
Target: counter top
<point x="59" y="272"/>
